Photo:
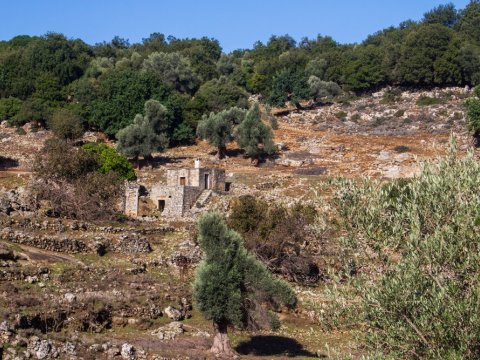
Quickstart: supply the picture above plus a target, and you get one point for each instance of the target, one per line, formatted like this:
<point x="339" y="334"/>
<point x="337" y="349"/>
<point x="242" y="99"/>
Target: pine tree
<point x="231" y="286"/>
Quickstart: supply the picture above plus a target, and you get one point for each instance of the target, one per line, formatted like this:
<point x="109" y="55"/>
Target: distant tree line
<point x="107" y="84"/>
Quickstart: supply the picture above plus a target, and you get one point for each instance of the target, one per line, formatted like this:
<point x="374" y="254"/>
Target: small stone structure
<point x="132" y="190"/>
<point x="185" y="188"/>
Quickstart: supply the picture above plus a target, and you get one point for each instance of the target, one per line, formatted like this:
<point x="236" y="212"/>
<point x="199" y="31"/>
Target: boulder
<point x="169" y="331"/>
<point x="128" y="352"/>
<point x="173" y="313"/>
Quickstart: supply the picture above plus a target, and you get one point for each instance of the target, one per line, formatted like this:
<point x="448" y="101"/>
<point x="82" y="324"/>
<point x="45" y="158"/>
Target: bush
<point x="341" y="115"/>
<point x="275" y="235"/>
<point x="9" y="107"/>
<point x="427" y="101"/>
<point x="68" y="179"/>
<point x="422" y="236"/>
<point x="66" y="124"/>
<point x="399" y="113"/>
<point x="111" y="161"/>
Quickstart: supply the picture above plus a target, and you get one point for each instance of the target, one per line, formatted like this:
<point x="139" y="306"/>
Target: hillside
<point x="59" y="295"/>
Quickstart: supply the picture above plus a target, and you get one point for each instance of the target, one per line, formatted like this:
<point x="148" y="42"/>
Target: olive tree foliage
<point x="420" y="238"/>
<point x="320" y="89"/>
<point x="473" y="115"/>
<point x="147" y="133"/>
<point x="231" y="286"/>
<point x="317" y="68"/>
<point x="174" y="69"/>
<point x="254" y="136"/>
<point x="218" y="128"/>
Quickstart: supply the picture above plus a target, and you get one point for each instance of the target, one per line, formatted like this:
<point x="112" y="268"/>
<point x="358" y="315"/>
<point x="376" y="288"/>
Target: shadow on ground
<point x="6" y="163"/>
<point x="273" y="345"/>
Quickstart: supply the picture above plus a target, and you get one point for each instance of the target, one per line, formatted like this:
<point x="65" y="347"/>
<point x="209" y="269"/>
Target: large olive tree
<point x="232" y="288"/>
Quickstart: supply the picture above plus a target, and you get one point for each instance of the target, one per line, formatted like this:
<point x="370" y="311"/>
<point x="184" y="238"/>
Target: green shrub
<point x="427" y="101"/>
<point x="399" y="113"/>
<point x="66" y="124"/>
<point x="273" y="122"/>
<point x="111" y="161"/>
<point x="20" y="131"/>
<point x="9" y="107"/>
<point x="341" y="115"/>
<point x="420" y="238"/>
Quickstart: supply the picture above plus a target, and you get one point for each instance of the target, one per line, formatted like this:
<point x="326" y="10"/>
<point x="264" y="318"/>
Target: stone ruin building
<point x="185" y="188"/>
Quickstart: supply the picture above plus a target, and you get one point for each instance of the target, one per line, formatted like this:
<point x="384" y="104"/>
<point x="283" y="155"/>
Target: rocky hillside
<point x="79" y="290"/>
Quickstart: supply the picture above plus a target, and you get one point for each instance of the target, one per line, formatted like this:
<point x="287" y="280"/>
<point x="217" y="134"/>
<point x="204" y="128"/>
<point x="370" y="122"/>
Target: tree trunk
<point x="221" y="152"/>
<point x="221" y="344"/>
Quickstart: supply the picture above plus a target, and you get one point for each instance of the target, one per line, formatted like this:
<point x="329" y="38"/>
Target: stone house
<point x="185" y="188"/>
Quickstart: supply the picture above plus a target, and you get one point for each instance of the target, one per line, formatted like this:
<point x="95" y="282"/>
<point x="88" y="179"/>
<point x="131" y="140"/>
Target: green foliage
<point x="254" y="136"/>
<point x="119" y="96"/>
<point x="33" y="109"/>
<point x="427" y="55"/>
<point x="231" y="286"/>
<point x="469" y="20"/>
<point x="341" y="115"/>
<point x="320" y="89"/>
<point x="217" y="128"/>
<point x="68" y="179"/>
<point x="9" y="107"/>
<point x="66" y="124"/>
<point x="110" y="161"/>
<point x="288" y="85"/>
<point x="427" y="101"/>
<point x="147" y="134"/>
<point x="473" y="114"/>
<point x="273" y="122"/>
<point x="215" y="96"/>
<point x="445" y="15"/>
<point x="172" y="68"/>
<point x="424" y="234"/>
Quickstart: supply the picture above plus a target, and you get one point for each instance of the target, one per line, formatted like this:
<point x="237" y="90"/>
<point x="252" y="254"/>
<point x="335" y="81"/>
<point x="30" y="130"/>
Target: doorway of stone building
<point x="207" y="185"/>
<point x="182" y="181"/>
<point x="161" y="205"/>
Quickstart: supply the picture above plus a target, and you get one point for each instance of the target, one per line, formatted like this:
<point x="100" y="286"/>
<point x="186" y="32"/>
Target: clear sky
<point x="236" y="24"/>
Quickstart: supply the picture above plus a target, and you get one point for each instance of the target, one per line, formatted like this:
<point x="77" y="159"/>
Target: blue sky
<point x="236" y="24"/>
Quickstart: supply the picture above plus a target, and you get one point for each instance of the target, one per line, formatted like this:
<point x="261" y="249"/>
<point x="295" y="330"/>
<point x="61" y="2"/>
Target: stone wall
<point x="196" y="178"/>
<point x="131" y="198"/>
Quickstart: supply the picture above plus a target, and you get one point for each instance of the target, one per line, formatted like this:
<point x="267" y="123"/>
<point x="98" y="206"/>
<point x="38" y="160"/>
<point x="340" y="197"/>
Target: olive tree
<point x="172" y="68"/>
<point x="231" y="286"/>
<point x="147" y="134"/>
<point x="217" y="128"/>
<point x="254" y="136"/>
<point x="323" y="89"/>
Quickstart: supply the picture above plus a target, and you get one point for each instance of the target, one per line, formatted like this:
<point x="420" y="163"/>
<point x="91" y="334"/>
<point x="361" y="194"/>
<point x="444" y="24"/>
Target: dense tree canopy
<point x="109" y="82"/>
